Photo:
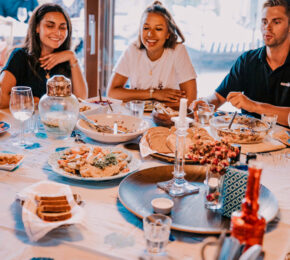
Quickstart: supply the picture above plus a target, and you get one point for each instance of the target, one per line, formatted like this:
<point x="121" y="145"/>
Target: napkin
<point x="267" y="145"/>
<point x="34" y="226"/>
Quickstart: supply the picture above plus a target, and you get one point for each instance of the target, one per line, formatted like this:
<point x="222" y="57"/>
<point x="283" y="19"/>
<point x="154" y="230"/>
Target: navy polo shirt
<point x="252" y="74"/>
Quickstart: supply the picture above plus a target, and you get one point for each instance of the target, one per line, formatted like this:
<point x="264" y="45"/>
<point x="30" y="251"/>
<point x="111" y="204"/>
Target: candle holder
<point x="178" y="186"/>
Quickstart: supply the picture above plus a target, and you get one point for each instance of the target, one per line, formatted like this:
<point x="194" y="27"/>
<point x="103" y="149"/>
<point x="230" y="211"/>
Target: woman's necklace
<point x="47" y="74"/>
<point x="152" y="65"/>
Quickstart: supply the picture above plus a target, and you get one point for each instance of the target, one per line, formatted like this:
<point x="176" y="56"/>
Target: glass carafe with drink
<point x="247" y="225"/>
<point x="59" y="108"/>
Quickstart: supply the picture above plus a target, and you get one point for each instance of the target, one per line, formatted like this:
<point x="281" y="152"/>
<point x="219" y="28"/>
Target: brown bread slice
<point x="49" y="216"/>
<point x="55" y="208"/>
<point x="52" y="198"/>
<point x="52" y="202"/>
<point x="158" y="143"/>
<point x="156" y="130"/>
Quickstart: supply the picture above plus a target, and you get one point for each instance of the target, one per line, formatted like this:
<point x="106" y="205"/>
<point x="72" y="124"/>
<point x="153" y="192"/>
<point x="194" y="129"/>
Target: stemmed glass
<point x="21" y="14"/>
<point x="21" y="107"/>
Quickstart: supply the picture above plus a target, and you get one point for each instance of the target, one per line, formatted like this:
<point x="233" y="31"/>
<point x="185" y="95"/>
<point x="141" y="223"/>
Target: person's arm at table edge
<point x="79" y="84"/>
<point x="190" y="90"/>
<point x="264" y="108"/>
<point x="7" y="81"/>
<point x="116" y="89"/>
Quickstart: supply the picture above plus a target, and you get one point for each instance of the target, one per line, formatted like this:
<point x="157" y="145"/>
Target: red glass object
<point x="246" y="225"/>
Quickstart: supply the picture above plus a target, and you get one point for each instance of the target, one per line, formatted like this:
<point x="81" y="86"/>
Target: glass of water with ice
<point x="156" y="231"/>
<point x="271" y="120"/>
<point x="137" y="108"/>
<point x="205" y="113"/>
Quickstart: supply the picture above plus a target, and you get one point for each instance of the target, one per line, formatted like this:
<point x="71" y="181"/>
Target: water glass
<point x="22" y="14"/>
<point x="205" y="112"/>
<point x="22" y="107"/>
<point x="137" y="108"/>
<point x="271" y="120"/>
<point x="213" y="190"/>
<point x="156" y="231"/>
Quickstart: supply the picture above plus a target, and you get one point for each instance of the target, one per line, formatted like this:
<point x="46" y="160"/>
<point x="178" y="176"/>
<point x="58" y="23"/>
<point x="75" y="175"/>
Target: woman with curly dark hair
<point x="157" y="64"/>
<point x="46" y="52"/>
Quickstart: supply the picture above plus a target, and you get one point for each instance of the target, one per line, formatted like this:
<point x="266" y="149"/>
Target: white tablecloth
<point x="111" y="231"/>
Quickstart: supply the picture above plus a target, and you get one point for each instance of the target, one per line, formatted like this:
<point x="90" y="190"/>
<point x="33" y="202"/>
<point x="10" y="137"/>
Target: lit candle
<point x="213" y="183"/>
<point x="183" y="109"/>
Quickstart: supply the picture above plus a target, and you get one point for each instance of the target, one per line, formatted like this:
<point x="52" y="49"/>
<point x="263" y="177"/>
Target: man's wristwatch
<point x="151" y="91"/>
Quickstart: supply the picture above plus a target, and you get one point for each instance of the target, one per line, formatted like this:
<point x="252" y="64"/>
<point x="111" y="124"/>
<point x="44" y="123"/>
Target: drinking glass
<point x="137" y="107"/>
<point x="205" y="112"/>
<point x="156" y="232"/>
<point x="271" y="120"/>
<point x="21" y="107"/>
<point x="22" y="14"/>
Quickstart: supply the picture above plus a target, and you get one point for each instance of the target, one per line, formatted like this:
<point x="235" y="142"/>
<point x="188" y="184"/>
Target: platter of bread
<point x="47" y="205"/>
<point x="9" y="161"/>
<point x="160" y="142"/>
<point x="93" y="163"/>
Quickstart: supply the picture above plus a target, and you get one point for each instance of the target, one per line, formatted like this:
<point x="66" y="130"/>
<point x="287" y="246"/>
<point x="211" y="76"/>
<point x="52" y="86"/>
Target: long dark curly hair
<point x="32" y="42"/>
<point x="173" y="29"/>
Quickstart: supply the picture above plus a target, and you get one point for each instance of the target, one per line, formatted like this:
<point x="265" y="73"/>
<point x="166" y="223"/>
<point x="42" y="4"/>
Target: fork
<point x="100" y="127"/>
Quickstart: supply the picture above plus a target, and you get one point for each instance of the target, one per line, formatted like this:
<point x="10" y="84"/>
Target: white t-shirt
<point x="171" y="69"/>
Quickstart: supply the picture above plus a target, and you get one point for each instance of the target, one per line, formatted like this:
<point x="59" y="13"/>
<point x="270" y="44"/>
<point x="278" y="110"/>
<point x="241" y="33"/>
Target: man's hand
<point x="194" y="106"/>
<point x="239" y="100"/>
<point x="51" y="60"/>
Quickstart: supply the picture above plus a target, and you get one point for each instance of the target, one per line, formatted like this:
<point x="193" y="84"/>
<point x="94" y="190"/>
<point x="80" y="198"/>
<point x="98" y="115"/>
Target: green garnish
<point x="109" y="159"/>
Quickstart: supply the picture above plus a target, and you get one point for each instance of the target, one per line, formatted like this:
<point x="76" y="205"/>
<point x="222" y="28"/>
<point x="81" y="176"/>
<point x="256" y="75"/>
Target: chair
<point x="6" y="39"/>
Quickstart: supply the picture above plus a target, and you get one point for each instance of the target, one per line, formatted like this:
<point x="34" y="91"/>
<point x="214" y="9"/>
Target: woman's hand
<point x="51" y="60"/>
<point x="168" y="95"/>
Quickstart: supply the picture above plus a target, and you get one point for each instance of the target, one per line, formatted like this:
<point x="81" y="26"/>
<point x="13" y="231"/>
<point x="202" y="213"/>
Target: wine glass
<point x="21" y="107"/>
<point x="22" y="14"/>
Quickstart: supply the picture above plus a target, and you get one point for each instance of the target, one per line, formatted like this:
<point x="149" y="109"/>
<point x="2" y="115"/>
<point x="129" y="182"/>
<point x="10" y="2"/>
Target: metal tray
<point x="188" y="214"/>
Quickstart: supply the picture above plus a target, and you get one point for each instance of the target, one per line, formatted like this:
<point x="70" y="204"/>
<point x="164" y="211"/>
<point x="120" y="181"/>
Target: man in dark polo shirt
<point x="259" y="81"/>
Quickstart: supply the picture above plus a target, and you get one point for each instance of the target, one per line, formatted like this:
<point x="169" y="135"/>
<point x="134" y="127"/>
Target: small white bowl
<point x="162" y="205"/>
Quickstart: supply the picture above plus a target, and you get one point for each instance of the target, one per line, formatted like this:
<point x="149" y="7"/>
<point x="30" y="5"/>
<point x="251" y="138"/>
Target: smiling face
<point x="52" y="31"/>
<point x="275" y="26"/>
<point x="154" y="33"/>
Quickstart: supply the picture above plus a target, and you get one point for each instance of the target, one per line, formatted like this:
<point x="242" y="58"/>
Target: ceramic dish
<point x="135" y="127"/>
<point x="4" y="126"/>
<point x="133" y="165"/>
<point x="149" y="105"/>
<point x="12" y="166"/>
<point x="244" y="130"/>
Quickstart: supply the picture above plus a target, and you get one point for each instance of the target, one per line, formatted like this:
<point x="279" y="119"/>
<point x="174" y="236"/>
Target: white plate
<point x="133" y="165"/>
<point x="10" y="167"/>
<point x="137" y="125"/>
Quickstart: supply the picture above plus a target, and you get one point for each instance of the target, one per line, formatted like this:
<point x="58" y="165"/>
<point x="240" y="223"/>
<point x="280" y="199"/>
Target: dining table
<point x="110" y="231"/>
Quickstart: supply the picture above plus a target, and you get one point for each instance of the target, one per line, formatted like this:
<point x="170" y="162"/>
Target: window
<point x="216" y="33"/>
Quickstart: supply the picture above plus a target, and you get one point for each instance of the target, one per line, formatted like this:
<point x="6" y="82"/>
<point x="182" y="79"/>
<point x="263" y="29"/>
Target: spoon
<point x="230" y="125"/>
<point x="100" y="127"/>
